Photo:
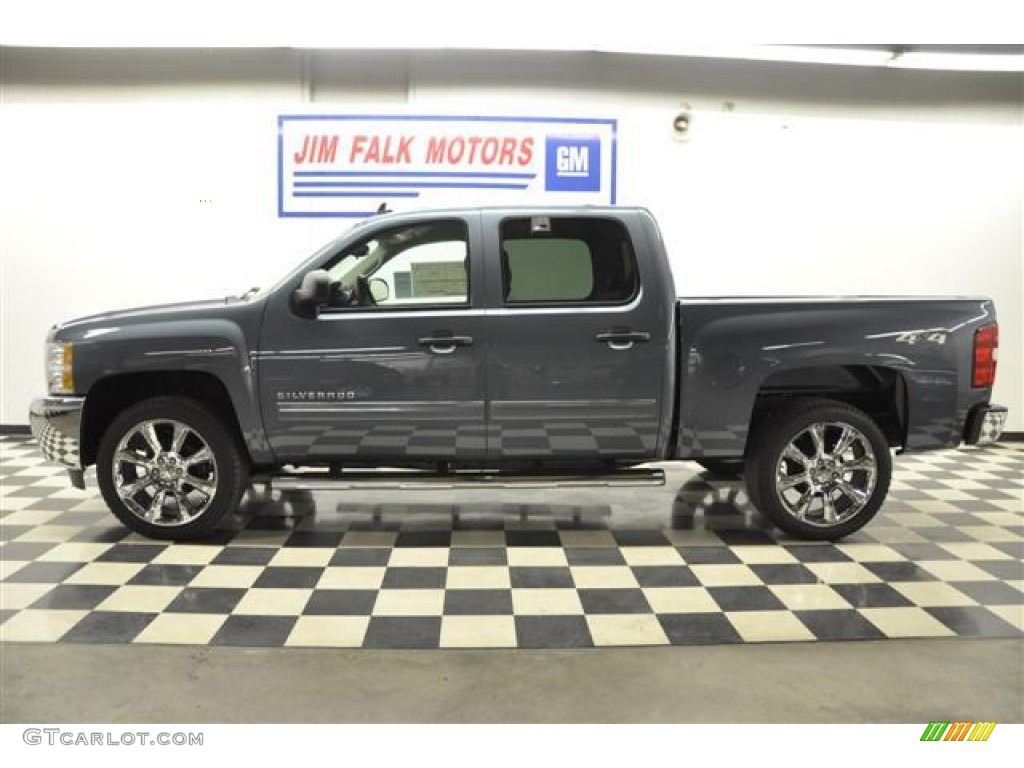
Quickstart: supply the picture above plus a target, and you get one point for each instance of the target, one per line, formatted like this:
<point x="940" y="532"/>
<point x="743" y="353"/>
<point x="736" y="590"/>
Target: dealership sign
<point x="348" y="165"/>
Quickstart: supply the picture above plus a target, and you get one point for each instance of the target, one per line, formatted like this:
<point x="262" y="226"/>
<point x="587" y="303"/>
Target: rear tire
<point x="819" y="469"/>
<point x="169" y="468"/>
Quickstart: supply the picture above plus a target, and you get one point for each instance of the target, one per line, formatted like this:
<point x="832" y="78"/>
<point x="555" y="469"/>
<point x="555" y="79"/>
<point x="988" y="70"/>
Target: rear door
<point x="577" y="355"/>
<point x="395" y="378"/>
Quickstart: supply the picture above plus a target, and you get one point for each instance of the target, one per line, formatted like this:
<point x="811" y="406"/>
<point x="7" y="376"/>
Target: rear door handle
<point x="622" y="339"/>
<point x="445" y="344"/>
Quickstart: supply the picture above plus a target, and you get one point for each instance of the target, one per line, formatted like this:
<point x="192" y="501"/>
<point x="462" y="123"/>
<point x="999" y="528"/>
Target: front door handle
<point x="445" y="344"/>
<point x="618" y="338"/>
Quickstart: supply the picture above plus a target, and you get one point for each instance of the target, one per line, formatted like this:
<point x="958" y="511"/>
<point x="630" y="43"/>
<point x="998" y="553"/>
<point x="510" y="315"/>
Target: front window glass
<point x="412" y="265"/>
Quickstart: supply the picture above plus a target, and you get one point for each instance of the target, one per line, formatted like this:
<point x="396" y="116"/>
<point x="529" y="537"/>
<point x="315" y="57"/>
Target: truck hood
<point x="209" y="308"/>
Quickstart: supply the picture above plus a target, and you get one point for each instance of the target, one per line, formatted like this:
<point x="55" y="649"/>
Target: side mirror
<point x="379" y="290"/>
<point x="313" y="293"/>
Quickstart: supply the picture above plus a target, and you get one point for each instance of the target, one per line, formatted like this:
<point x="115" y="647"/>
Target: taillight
<point x="986" y="342"/>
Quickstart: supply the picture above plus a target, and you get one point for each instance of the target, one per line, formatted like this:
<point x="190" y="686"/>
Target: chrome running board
<point x="462" y="479"/>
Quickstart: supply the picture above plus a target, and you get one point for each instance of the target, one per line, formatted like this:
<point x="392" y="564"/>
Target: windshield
<point x="321" y="253"/>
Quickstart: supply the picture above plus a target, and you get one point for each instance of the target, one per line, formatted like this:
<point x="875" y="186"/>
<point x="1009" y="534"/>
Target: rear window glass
<point x="567" y="260"/>
<point x="549" y="269"/>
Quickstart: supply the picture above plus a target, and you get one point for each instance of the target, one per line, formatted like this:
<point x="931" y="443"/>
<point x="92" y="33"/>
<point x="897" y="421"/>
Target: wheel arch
<point x="878" y="391"/>
<point x="112" y="394"/>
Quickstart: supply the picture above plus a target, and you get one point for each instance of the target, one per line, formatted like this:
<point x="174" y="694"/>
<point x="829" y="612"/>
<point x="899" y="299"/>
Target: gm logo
<point x="573" y="164"/>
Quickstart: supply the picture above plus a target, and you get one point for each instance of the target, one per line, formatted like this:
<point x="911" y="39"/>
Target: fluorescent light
<point x="966" y="62"/>
<point x="798" y="54"/>
<point x="862" y="57"/>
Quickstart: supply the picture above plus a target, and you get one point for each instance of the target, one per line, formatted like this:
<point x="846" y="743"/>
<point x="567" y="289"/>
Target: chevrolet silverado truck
<point x="505" y="347"/>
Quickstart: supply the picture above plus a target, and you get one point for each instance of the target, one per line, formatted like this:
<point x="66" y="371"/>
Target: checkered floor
<point x="691" y="563"/>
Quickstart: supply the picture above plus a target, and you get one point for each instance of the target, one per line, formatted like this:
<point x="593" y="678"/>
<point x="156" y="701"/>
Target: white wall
<point x="131" y="177"/>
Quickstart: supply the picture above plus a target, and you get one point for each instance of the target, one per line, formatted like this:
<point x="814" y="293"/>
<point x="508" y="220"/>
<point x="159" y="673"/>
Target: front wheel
<point x="819" y="469"/>
<point x="168" y="468"/>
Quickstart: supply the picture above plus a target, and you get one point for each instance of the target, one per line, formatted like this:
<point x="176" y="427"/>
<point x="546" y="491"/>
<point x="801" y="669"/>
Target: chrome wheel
<point x="826" y="475"/>
<point x="164" y="472"/>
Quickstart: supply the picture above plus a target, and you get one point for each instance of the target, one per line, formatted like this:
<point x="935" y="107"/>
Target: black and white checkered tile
<point x="690" y="563"/>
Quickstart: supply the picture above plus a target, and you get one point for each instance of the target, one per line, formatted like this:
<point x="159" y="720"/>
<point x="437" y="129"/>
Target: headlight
<point x="59" y="368"/>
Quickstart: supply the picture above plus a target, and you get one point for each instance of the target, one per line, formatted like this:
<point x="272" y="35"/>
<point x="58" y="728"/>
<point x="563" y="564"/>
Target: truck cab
<point x="475" y="337"/>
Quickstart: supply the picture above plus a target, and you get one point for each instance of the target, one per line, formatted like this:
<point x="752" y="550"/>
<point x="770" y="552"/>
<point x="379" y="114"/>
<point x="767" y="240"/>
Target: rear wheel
<point x="819" y="469"/>
<point x="168" y="468"/>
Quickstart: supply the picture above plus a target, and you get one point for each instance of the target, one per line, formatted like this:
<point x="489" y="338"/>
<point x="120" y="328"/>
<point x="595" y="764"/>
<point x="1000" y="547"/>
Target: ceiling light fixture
<point x="963" y="62"/>
<point x="792" y="54"/>
<point x="860" y="57"/>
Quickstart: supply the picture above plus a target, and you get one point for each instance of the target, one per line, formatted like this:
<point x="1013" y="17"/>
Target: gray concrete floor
<point x="900" y="681"/>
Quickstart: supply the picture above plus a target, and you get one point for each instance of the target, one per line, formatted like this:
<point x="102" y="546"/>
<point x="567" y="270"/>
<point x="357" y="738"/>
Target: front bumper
<point x="985" y="424"/>
<point x="56" y="423"/>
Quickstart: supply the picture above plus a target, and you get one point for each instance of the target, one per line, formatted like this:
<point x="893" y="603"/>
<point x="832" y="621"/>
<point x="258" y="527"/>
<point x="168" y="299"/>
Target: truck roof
<point x="561" y="209"/>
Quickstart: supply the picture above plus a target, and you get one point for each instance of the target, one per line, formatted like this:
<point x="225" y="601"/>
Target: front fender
<point x="217" y="347"/>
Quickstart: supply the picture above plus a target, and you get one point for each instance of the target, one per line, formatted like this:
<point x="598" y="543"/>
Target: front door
<point x="577" y="356"/>
<point x="392" y="370"/>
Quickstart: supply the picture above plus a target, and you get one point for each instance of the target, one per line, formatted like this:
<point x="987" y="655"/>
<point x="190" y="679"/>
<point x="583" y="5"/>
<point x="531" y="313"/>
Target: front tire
<point x="168" y="468"/>
<point x="819" y="469"/>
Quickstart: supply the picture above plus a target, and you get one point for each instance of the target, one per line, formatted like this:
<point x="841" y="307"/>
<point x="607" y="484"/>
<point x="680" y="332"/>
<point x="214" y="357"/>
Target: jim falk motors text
<point x="409" y="149"/>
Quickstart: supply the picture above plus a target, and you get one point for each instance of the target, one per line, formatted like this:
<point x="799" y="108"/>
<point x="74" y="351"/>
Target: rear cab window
<point x="566" y="261"/>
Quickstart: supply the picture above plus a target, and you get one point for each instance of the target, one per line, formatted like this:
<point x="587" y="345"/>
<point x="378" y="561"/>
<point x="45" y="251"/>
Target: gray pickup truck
<point x="510" y="346"/>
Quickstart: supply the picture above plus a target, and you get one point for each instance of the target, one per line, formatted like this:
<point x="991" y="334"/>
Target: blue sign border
<point x="281" y="213"/>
